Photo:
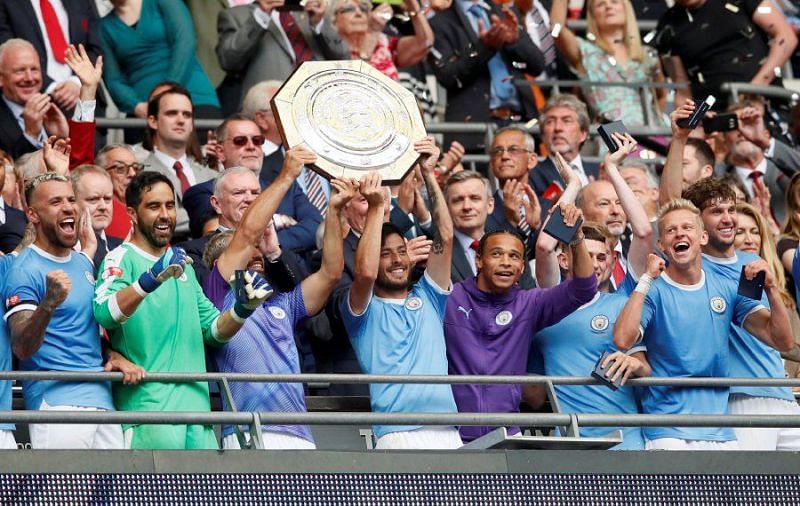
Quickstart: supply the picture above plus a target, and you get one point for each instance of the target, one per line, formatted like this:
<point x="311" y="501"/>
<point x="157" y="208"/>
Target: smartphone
<point x="752" y="288"/>
<point x="605" y="131"/>
<point x="725" y="122"/>
<point x="599" y="373"/>
<point x="700" y="110"/>
<point x="558" y="229"/>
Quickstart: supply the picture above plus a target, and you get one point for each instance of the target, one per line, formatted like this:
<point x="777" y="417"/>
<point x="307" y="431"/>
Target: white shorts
<point x="78" y="436"/>
<point x="767" y="439"/>
<point x="671" y="443"/>
<point x="7" y="441"/>
<point x="272" y="441"/>
<point x="432" y="438"/>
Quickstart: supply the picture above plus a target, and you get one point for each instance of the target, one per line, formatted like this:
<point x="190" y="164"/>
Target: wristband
<point x="643" y="286"/>
<point x="240" y="313"/>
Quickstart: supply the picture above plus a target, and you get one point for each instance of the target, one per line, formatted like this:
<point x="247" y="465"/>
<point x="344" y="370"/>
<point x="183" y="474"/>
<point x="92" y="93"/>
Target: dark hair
<point x="499" y="231"/>
<point x="702" y="151"/>
<point x="143" y="182"/>
<point x="222" y="130"/>
<point x="388" y="229"/>
<point x="154" y="103"/>
<point x="705" y="192"/>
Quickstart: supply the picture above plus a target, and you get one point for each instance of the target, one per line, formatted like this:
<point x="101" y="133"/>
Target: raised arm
<point x="439" y="260"/>
<point x="411" y="49"/>
<point x="318" y="287"/>
<point x="564" y="38"/>
<point x="28" y="327"/>
<point x="783" y="40"/>
<point x="642" y="241"/>
<point x="369" y="245"/>
<point x="258" y="215"/>
<point x="770" y="326"/>
<point x="548" y="273"/>
<point x="626" y="329"/>
<point x="671" y="184"/>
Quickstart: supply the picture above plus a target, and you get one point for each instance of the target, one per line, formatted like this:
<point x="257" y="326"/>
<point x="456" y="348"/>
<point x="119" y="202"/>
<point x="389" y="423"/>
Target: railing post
<point x="256" y="441"/>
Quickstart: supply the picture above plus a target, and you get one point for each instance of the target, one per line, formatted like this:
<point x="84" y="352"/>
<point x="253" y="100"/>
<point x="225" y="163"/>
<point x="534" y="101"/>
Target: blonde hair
<point x="768" y="252"/>
<point x="633" y="38"/>
<point x="678" y="205"/>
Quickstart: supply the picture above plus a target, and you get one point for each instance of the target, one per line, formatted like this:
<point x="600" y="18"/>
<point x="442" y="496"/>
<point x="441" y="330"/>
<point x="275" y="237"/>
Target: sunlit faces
<point x="500" y="262"/>
<point x="720" y="219"/>
<point x="561" y="132"/>
<point x="122" y="167"/>
<point x="608" y="12"/>
<point x="394" y="267"/>
<point x="156" y="216"/>
<point x="739" y="148"/>
<point x="601" y="204"/>
<point x="351" y="17"/>
<point x="21" y="75"/>
<point x="54" y="211"/>
<point x="250" y="154"/>
<point x="174" y="123"/>
<point x="691" y="167"/>
<point x="469" y="205"/>
<point x="511" y="158"/>
<point x="234" y="195"/>
<point x="94" y="193"/>
<point x="748" y="236"/>
<point x="681" y="237"/>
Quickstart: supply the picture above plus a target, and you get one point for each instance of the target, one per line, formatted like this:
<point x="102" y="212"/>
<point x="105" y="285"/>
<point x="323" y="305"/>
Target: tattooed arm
<point x="438" y="268"/>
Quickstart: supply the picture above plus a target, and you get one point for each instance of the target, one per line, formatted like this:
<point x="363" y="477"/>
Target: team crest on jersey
<point x="277" y="313"/>
<point x="89" y="277"/>
<point x="413" y="303"/>
<point x="718" y="305"/>
<point x="503" y="318"/>
<point x="112" y="272"/>
<point x="12" y="301"/>
<point x="599" y="323"/>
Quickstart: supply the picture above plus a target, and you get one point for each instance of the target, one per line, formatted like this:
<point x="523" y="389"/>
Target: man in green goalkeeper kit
<point x="148" y="298"/>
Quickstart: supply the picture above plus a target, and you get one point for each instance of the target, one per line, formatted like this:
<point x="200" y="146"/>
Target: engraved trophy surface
<point x="353" y="117"/>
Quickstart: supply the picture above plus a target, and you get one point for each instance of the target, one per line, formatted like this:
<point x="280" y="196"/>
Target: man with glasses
<point x="258" y="42"/>
<point x="120" y="162"/>
<point x="516" y="206"/>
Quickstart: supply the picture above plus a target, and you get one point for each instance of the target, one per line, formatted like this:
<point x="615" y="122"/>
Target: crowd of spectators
<point x="185" y="251"/>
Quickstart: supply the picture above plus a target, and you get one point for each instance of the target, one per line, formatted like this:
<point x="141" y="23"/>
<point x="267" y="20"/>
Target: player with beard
<point x="489" y="319"/>
<point x="749" y="357"/>
<point x="695" y="346"/>
<point x="396" y="328"/>
<point x="149" y="300"/>
<point x="48" y="309"/>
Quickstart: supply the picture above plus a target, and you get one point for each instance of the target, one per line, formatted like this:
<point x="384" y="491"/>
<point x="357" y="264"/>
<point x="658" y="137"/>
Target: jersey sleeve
<point x="115" y="274"/>
<point x="434" y="293"/>
<point x="354" y="323"/>
<point x="649" y="309"/>
<point x="25" y="289"/>
<point x="744" y="307"/>
<point x="296" y="305"/>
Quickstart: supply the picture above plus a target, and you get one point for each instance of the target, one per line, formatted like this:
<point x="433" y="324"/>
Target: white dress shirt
<point x="744" y="174"/>
<point x="58" y="72"/>
<point x="169" y="162"/>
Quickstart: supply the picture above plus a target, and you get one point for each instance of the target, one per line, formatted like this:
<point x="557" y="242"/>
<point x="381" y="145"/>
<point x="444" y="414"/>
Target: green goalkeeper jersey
<point x="165" y="334"/>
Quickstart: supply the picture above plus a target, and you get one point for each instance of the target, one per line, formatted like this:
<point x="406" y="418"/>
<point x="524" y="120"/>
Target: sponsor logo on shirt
<point x="718" y="305"/>
<point x="465" y="311"/>
<point x="12" y="301"/>
<point x="503" y="318"/>
<point x="599" y="323"/>
<point x="413" y="303"/>
<point x="277" y="313"/>
<point x="112" y="272"/>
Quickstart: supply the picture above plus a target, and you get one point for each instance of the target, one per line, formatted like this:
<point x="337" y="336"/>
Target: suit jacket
<point x="463" y="70"/>
<point x="18" y="20"/>
<point x="546" y="173"/>
<point x="785" y="162"/>
<point x="103" y="247"/>
<point x="12" y="138"/>
<point x="460" y="268"/>
<point x="201" y="175"/>
<point x="303" y="236"/>
<point x="12" y="231"/>
<point x="256" y="54"/>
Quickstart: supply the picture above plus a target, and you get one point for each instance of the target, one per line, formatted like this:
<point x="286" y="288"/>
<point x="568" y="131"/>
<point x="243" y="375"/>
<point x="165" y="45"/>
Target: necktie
<point x="58" y="43"/>
<point x="301" y="50"/>
<point x="315" y="193"/>
<point x="474" y="245"/>
<point x="181" y="177"/>
<point x="502" y="87"/>
<point x="619" y="272"/>
<point x="753" y="177"/>
<point x="546" y="44"/>
<point x="523" y="223"/>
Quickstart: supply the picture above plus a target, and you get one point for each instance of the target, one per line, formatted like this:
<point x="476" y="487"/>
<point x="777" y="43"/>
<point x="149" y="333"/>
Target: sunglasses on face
<point x="241" y="140"/>
<point x="123" y="168"/>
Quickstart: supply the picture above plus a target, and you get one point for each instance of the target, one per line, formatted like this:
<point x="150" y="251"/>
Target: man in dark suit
<point x="12" y="221"/>
<point x="480" y="54"/>
<point x="469" y="201"/>
<point x="27" y="116"/>
<point x="65" y="22"/>
<point x="565" y="126"/>
<point x="94" y="193"/>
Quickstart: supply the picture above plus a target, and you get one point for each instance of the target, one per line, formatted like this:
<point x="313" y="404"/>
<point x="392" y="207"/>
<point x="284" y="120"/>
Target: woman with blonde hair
<point x="611" y="52"/>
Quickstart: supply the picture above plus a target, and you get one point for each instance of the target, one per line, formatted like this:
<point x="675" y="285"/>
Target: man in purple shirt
<point x="490" y="321"/>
